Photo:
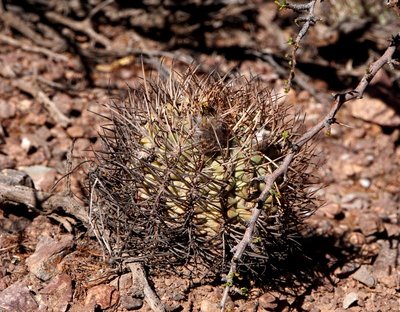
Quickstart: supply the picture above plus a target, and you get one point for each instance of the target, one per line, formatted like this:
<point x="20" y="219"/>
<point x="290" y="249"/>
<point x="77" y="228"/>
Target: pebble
<point x="7" y="109"/>
<point x="331" y="210"/>
<point x="43" y="177"/>
<point x="123" y="282"/>
<point x="356" y="239"/>
<point x="76" y="131"/>
<point x="370" y="224"/>
<point x="130" y="303"/>
<point x="15" y="177"/>
<point x="177" y="296"/>
<point x="365" y="277"/>
<point x="355" y="201"/>
<point x="17" y="297"/>
<point x="365" y="182"/>
<point x="104" y="296"/>
<point x="392" y="230"/>
<point x="209" y="306"/>
<point x="370" y="250"/>
<point x="350" y="299"/>
<point x="375" y="111"/>
<point x="64" y="103"/>
<point x="268" y="302"/>
<point x="346" y="269"/>
<point x="57" y="294"/>
<point x="26" y="144"/>
<point x="48" y="254"/>
<point x="24" y="105"/>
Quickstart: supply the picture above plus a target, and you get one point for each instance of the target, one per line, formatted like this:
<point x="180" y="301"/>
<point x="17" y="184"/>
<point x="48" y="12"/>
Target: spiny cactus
<point x="180" y="171"/>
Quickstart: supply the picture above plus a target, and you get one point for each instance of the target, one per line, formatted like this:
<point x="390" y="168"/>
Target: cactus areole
<point x="182" y="166"/>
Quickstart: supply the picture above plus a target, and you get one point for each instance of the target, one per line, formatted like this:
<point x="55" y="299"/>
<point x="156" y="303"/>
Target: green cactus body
<point x="193" y="152"/>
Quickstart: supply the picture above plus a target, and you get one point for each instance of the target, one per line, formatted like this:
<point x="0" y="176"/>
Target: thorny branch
<point x="325" y="123"/>
<point x="308" y="20"/>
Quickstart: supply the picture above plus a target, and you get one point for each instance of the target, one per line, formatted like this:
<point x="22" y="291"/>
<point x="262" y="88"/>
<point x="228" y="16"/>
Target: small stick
<point x="34" y="90"/>
<point x="84" y="26"/>
<point x="31" y="48"/>
<point x="139" y="278"/>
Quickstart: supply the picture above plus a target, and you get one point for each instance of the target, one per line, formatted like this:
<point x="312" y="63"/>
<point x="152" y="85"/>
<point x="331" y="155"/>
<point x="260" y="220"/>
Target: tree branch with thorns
<point x="325" y="124"/>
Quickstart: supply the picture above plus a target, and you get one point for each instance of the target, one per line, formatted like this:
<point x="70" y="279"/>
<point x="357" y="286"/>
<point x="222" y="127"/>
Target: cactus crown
<point x="177" y="179"/>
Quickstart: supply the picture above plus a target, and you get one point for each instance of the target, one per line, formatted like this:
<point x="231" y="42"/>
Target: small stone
<point x="392" y="230"/>
<point x="17" y="297"/>
<point x="7" y="109"/>
<point x="370" y="250"/>
<point x="350" y="299"/>
<point x="76" y="131"/>
<point x="177" y="296"/>
<point x="104" y="296"/>
<point x="44" y="133"/>
<point x="36" y="119"/>
<point x="355" y="239"/>
<point x="365" y="182"/>
<point x="6" y="162"/>
<point x="42" y="176"/>
<point x="25" y="104"/>
<point x="370" y="224"/>
<point x="26" y="144"/>
<point x="331" y="210"/>
<point x="81" y="147"/>
<point x="57" y="294"/>
<point x="375" y="111"/>
<point x="209" y="306"/>
<point x="15" y="177"/>
<point x="365" y="277"/>
<point x="355" y="201"/>
<point x="64" y="103"/>
<point x="340" y="230"/>
<point x="168" y="282"/>
<point x="346" y="269"/>
<point x="130" y="303"/>
<point x="49" y="252"/>
<point x="123" y="282"/>
<point x="268" y="302"/>
<point x="248" y="307"/>
<point x="350" y="169"/>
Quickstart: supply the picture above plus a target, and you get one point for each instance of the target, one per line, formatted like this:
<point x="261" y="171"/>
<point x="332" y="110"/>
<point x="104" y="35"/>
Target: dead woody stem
<point x="325" y="123"/>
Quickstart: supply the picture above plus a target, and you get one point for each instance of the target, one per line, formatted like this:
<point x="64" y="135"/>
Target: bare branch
<point x="32" y="48"/>
<point x="139" y="278"/>
<point x="325" y="123"/>
<point x="84" y="26"/>
<point x="31" y="87"/>
<point x="308" y="20"/>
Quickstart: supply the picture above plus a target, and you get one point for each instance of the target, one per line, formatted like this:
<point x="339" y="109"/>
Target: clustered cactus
<point x="182" y="166"/>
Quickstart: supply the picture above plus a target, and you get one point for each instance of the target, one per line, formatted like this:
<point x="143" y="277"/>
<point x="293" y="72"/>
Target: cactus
<point x="180" y="172"/>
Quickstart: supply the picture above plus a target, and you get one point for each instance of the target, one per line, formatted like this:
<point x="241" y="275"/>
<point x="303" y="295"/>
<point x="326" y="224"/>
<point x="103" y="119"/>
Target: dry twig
<point x="26" y="28"/>
<point x="308" y="20"/>
<point x="139" y="278"/>
<point x="32" y="48"/>
<point x="325" y="123"/>
<point x="84" y="26"/>
<point x="34" y="90"/>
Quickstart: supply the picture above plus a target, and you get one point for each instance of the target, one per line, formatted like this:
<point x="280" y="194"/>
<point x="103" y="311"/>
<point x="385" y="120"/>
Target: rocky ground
<point x="51" y="102"/>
